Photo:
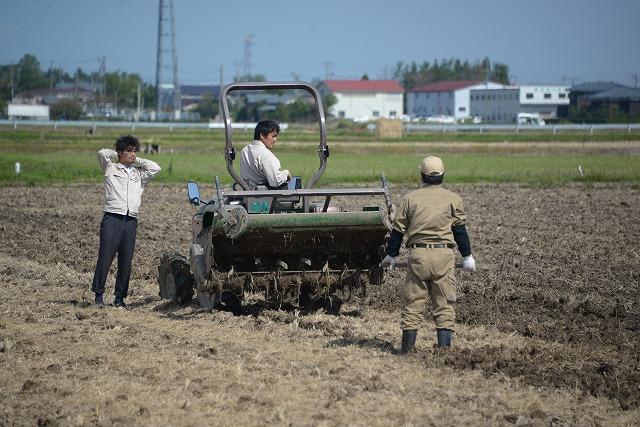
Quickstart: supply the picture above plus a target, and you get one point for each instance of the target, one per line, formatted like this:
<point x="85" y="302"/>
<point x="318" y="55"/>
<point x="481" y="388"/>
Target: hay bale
<point x="390" y="128"/>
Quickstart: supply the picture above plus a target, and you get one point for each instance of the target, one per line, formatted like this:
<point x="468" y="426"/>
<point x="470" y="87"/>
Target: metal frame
<point x="306" y="193"/>
<point x="230" y="152"/>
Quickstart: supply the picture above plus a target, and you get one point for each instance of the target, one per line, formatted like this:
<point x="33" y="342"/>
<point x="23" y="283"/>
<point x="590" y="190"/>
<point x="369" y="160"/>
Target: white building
<point x="445" y="98"/>
<point x="28" y="111"/>
<point x="502" y="105"/>
<point x="51" y="96"/>
<point x="364" y="99"/>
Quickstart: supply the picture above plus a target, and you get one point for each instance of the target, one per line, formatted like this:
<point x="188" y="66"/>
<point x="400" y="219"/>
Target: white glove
<point x="469" y="264"/>
<point x="388" y="262"/>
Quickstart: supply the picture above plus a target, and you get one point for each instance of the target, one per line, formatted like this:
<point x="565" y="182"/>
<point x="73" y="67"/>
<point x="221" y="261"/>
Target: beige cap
<point x="432" y="166"/>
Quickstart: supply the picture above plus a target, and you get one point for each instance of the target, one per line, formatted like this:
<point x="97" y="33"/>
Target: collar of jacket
<point x="123" y="167"/>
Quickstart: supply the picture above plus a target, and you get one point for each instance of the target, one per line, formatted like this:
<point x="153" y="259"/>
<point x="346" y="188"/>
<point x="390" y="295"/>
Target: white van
<point x="529" y="119"/>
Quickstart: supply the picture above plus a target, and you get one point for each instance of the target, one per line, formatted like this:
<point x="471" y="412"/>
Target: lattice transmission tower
<point x="246" y="61"/>
<point x="167" y="86"/>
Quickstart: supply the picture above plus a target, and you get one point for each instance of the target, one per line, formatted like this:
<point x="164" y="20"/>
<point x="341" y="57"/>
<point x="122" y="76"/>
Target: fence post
<point x="170" y="126"/>
<point x="591" y="129"/>
<point x="554" y="130"/>
<point x="55" y="125"/>
<point x="629" y="129"/>
<point x="15" y="124"/>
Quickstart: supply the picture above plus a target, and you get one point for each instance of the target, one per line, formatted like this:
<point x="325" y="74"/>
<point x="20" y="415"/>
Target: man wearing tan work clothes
<point x="433" y="221"/>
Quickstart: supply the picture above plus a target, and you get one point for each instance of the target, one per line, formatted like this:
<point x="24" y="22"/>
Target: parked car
<point x="529" y="119"/>
<point x="445" y="120"/>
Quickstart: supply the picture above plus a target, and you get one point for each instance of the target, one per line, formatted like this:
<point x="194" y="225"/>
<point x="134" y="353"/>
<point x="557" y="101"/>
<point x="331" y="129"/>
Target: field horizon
<point x="68" y="155"/>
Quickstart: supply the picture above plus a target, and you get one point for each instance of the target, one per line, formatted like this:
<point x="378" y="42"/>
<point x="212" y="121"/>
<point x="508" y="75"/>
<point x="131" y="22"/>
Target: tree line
<point x="413" y="75"/>
<point x="116" y="87"/>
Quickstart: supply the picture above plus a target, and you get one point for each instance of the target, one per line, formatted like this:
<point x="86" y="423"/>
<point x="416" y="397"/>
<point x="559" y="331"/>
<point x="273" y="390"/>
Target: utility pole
<point x="487" y="72"/>
<point x="221" y="77"/>
<point x="237" y="65"/>
<point x="101" y="82"/>
<point x="139" y="99"/>
<point x="570" y="79"/>
<point x="295" y="76"/>
<point x="327" y="69"/>
<point x="386" y="73"/>
<point x="51" y="78"/>
<point x="12" y="84"/>
<point x="635" y="80"/>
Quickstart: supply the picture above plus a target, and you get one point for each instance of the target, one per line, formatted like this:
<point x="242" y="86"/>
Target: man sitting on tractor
<point x="258" y="165"/>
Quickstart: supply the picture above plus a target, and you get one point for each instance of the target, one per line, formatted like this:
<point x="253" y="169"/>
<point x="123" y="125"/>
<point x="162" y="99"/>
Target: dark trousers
<point x="117" y="235"/>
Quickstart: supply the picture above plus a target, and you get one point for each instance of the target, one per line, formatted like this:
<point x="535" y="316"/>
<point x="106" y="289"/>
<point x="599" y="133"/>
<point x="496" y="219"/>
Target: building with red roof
<point x="364" y="100"/>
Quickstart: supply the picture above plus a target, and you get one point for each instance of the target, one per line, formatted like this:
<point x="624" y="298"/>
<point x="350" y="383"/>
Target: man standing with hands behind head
<point x="433" y="220"/>
<point x="125" y="176"/>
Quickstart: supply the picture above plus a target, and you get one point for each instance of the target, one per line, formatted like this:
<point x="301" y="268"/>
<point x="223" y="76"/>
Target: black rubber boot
<point x="99" y="300"/>
<point x="445" y="336"/>
<point x="408" y="340"/>
<point x="119" y="303"/>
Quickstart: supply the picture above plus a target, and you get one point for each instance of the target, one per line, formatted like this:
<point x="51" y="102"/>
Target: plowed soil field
<point x="553" y="338"/>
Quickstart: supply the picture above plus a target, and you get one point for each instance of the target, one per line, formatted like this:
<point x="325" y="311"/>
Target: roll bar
<point x="230" y="152"/>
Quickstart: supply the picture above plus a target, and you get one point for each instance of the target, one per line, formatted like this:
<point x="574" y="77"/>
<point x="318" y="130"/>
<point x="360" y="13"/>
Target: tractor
<point x="288" y="246"/>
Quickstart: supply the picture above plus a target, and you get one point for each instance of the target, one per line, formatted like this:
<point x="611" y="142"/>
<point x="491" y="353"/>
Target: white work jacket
<point x="123" y="189"/>
<point x="259" y="166"/>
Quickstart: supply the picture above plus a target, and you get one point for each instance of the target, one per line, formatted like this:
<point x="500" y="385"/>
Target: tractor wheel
<point x="175" y="279"/>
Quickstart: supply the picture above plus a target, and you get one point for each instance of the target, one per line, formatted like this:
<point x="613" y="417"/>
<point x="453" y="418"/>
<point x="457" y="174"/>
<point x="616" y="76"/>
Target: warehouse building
<point x="503" y="104"/>
<point x="444" y="98"/>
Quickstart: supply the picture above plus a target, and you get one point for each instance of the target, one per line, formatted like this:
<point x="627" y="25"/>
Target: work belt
<point x="432" y="245"/>
<point x="120" y="216"/>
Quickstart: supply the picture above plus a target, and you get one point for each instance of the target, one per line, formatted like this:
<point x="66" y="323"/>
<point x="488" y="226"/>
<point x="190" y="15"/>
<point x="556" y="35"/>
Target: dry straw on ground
<point x="552" y="340"/>
<point x="389" y="128"/>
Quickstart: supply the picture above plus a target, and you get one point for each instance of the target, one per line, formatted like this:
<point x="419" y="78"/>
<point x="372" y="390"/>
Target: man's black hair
<point x="127" y="141"/>
<point x="432" y="179"/>
<point x="265" y="127"/>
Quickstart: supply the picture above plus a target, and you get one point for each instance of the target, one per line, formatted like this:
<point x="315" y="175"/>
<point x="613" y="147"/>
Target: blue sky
<point x="544" y="41"/>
